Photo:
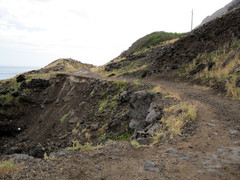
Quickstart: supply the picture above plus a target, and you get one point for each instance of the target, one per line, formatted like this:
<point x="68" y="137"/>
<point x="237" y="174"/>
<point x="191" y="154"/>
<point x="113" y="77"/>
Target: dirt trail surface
<point x="212" y="151"/>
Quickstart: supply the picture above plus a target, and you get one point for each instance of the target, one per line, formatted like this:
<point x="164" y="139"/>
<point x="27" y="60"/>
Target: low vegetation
<point x="219" y="68"/>
<point x="86" y="147"/>
<point x="63" y="118"/>
<point x="164" y="93"/>
<point x="135" y="144"/>
<point x="174" y="119"/>
<point x="6" y="167"/>
<point x="151" y="40"/>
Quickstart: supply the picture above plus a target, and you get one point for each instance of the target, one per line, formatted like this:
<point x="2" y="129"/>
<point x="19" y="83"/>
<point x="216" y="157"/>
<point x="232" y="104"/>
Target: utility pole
<point x="192" y="21"/>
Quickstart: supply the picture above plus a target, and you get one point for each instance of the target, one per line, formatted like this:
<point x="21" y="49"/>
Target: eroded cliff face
<point x="46" y="115"/>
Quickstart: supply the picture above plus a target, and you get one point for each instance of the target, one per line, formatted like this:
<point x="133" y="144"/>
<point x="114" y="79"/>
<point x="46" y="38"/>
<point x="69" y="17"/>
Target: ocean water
<point x="7" y="72"/>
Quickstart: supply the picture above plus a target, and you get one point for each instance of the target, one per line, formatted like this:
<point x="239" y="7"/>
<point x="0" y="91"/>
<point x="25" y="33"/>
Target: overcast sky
<point x="36" y="32"/>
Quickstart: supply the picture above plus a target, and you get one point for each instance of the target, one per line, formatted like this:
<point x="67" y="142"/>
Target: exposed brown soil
<point x="212" y="151"/>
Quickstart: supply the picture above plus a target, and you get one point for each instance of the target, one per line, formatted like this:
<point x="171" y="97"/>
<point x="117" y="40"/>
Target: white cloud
<point x="91" y="30"/>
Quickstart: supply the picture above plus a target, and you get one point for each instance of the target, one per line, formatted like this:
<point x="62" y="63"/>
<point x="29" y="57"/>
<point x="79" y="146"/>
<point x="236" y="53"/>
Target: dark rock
<point x="153" y="116"/>
<point x="20" y="78"/>
<point x="73" y="120"/>
<point x="151" y="166"/>
<point x="144" y="74"/>
<point x="112" y="66"/>
<point x="175" y="67"/>
<point x="210" y="65"/>
<point x="15" y="94"/>
<point x="59" y="154"/>
<point x="124" y="97"/>
<point x="152" y="128"/>
<point x="197" y="69"/>
<point x="171" y="151"/>
<point x="20" y="157"/>
<point x="23" y="85"/>
<point x="138" y="110"/>
<point x="144" y="141"/>
<point x="38" y="83"/>
<point x="2" y="101"/>
<point x="98" y="167"/>
<point x="37" y="152"/>
<point x="111" y="75"/>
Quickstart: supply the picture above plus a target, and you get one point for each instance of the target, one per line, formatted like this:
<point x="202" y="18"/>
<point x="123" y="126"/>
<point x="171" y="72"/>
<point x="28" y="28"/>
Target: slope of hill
<point x="150" y="40"/>
<point x="169" y="59"/>
<point x="229" y="7"/>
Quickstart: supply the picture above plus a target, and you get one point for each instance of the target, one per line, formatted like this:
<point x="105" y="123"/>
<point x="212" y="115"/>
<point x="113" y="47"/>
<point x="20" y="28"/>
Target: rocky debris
<point x="112" y="66"/>
<point x="20" y="78"/>
<point x="199" y="68"/>
<point x="36" y="151"/>
<point x="154" y="113"/>
<point x="73" y="120"/>
<point x="35" y="84"/>
<point x="151" y="166"/>
<point x="206" y="38"/>
<point x="124" y="97"/>
<point x="138" y="110"/>
<point x="144" y="141"/>
<point x="38" y="83"/>
<point x="19" y="157"/>
<point x="233" y="132"/>
<point x="145" y="117"/>
<point x="23" y="86"/>
<point x="59" y="154"/>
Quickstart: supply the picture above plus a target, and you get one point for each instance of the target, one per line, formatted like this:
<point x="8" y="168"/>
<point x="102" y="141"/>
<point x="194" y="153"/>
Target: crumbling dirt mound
<point x="55" y="113"/>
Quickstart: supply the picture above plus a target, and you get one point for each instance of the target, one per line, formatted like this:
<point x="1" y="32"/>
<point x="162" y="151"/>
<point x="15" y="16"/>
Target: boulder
<point x="37" y="152"/>
<point x="138" y="109"/>
<point x="20" y="78"/>
<point x="151" y="166"/>
<point x="153" y="116"/>
<point x="144" y="141"/>
<point x="124" y="97"/>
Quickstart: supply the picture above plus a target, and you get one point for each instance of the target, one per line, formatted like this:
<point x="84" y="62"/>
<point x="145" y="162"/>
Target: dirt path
<point x="211" y="152"/>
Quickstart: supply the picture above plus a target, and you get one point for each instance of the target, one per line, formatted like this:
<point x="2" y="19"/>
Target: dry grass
<point x="69" y="64"/>
<point x="166" y="94"/>
<point x="7" y="167"/>
<point x="225" y="62"/>
<point x="135" y="144"/>
<point x="85" y="147"/>
<point x="174" y="119"/>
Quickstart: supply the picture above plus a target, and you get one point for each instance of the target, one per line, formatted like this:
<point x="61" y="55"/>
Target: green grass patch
<point x="64" y="117"/>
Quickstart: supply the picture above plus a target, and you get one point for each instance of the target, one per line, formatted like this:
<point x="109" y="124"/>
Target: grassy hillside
<point x="66" y="65"/>
<point x="138" y="57"/>
<point x="151" y="40"/>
